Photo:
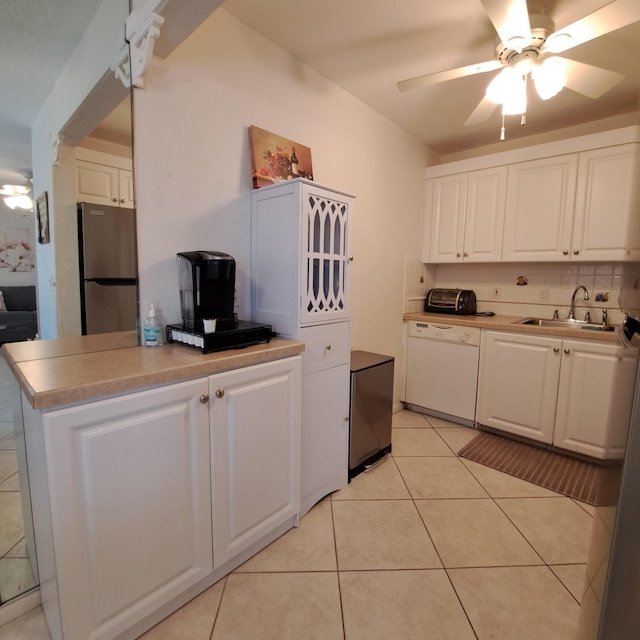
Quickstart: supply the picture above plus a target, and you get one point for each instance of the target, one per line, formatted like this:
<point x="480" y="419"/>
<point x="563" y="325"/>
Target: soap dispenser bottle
<point x="152" y="329"/>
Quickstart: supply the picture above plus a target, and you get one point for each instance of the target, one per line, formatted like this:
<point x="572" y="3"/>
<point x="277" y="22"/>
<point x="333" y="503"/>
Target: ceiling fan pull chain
<point x="523" y="119"/>
<point x="502" y="130"/>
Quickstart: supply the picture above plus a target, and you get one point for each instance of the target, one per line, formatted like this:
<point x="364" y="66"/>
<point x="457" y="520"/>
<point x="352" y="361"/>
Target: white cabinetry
<point x="255" y="437"/>
<point x="594" y="398"/>
<point x="466" y="216"/>
<point x="300" y="286"/>
<point x="574" y="394"/>
<point x="579" y="206"/>
<point x="540" y="203"/>
<point x="606" y="224"/>
<point x="129" y="492"/>
<point x="144" y="500"/>
<point x="518" y="383"/>
<point x="103" y="178"/>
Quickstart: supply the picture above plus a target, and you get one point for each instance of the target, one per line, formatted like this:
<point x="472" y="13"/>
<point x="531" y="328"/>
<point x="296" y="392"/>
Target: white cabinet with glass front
<point x="300" y="286"/>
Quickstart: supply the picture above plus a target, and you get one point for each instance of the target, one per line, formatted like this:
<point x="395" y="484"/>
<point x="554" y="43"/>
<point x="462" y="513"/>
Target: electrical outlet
<point x="496" y="294"/>
<point x="544" y="294"/>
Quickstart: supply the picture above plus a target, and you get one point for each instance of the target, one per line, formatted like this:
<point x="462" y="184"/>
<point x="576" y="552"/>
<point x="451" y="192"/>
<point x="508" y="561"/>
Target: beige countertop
<point x="67" y="370"/>
<point x="508" y="323"/>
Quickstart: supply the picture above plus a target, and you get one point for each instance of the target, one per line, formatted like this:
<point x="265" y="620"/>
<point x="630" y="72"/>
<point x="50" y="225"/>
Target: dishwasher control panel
<point x="444" y="332"/>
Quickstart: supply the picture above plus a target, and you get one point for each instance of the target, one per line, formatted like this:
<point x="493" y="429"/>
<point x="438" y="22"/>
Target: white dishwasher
<point x="442" y="369"/>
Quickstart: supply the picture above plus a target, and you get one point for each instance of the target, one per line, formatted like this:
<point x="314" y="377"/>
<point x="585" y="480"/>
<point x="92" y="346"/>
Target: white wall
<point x="193" y="173"/>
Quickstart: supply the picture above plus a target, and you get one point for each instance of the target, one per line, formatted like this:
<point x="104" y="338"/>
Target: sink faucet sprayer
<point x="572" y="315"/>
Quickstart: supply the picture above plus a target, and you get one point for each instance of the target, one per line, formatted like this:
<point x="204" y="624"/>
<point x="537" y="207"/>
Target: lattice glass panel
<point x="326" y="260"/>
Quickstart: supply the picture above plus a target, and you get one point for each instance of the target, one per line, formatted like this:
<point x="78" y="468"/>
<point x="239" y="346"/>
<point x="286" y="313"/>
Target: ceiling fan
<point x="527" y="47"/>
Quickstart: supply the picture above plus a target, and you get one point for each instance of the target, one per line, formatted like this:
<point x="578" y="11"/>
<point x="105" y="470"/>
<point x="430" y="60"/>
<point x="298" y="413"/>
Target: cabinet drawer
<point x="326" y="346"/>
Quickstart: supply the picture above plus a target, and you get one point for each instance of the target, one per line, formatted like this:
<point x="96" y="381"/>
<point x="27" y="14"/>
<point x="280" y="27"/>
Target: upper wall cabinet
<point x="606" y="223"/>
<point x="540" y="204"/>
<point x="104" y="179"/>
<point x="579" y="206"/>
<point x="467" y="215"/>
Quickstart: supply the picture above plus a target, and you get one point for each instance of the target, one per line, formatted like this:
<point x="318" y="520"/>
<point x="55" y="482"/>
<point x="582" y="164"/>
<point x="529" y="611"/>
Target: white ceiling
<point x="364" y="46"/>
<point x="37" y="40"/>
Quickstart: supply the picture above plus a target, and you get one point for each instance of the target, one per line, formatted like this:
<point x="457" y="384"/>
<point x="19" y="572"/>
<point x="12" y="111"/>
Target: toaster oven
<point x="461" y="302"/>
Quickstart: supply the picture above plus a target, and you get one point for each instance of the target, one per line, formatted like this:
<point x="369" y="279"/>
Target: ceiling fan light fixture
<point x="558" y="42"/>
<point x="22" y="201"/>
<point x="14" y="190"/>
<point x="549" y="78"/>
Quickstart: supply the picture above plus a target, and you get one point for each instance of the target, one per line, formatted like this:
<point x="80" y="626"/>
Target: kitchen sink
<point x="567" y="324"/>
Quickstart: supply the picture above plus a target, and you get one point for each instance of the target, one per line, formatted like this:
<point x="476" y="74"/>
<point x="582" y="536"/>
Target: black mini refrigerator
<point x="371" y="408"/>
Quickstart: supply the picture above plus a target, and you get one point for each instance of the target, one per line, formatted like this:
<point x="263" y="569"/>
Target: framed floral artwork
<point x="275" y="159"/>
<point x="42" y="212"/>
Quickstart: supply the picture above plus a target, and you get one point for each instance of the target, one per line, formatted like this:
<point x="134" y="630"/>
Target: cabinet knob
<point x="114" y="199"/>
<point x="576" y="252"/>
<point x="220" y="393"/>
<point x="565" y="252"/>
<point x="122" y="200"/>
<point x="328" y="347"/>
<point x="350" y="258"/>
<point x="204" y="398"/>
<point x="458" y="255"/>
<point x="466" y="255"/>
<point x="556" y="349"/>
<point x="567" y="351"/>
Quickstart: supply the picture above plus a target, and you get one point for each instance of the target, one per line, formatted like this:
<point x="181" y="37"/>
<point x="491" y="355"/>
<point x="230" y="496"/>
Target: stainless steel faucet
<point x="572" y="315"/>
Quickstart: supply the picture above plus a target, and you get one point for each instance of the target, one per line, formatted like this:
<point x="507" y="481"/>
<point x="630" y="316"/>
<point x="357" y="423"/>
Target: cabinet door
<point x="539" y="209"/>
<point x="96" y="183"/>
<point x="130" y="499"/>
<point x="125" y="189"/>
<point x="325" y="433"/>
<point x="606" y="205"/>
<point x="255" y="435"/>
<point x="484" y="219"/>
<point x="518" y="384"/>
<point x="447" y="210"/>
<point x="323" y="278"/>
<point x="594" y="398"/>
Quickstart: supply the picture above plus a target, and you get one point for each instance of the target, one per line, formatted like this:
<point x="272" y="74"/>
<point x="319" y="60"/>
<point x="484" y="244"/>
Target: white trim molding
<point x="141" y="33"/>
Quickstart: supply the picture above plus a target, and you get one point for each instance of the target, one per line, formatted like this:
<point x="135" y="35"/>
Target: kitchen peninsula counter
<point x="57" y="372"/>
<point x="508" y="323"/>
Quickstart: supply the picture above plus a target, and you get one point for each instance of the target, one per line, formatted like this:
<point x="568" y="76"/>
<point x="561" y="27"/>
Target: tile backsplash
<point x="548" y="287"/>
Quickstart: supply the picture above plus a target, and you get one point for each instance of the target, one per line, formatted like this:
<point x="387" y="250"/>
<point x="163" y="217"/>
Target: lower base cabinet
<point x="129" y="487"/>
<point x="255" y="438"/>
<point x="576" y="395"/>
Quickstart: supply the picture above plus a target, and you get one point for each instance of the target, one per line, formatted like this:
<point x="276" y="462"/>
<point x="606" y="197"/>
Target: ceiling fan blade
<point x="617" y="14"/>
<point x="588" y="80"/>
<point x="511" y="20"/>
<point x="443" y="76"/>
<point x="482" y="112"/>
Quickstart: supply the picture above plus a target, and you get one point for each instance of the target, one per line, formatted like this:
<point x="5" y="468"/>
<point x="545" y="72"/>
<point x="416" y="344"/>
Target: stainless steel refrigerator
<point x="108" y="268"/>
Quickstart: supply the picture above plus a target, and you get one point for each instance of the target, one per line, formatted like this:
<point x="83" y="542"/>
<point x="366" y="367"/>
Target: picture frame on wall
<point x="276" y="159"/>
<point x="42" y="215"/>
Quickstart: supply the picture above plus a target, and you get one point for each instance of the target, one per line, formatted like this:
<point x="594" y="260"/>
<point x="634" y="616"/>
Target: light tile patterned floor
<point x="426" y="545"/>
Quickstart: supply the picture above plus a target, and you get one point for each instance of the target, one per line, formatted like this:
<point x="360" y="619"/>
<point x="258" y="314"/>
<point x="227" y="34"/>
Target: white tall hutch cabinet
<point x="299" y="286"/>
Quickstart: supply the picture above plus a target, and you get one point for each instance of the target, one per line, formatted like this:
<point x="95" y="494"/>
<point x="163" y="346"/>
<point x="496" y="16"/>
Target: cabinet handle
<point x="556" y="349"/>
<point x="220" y="393"/>
<point x="576" y="252"/>
<point x="567" y="351"/>
<point x="204" y="398"/>
<point x="458" y="255"/>
<point x="466" y="255"/>
<point x="565" y="252"/>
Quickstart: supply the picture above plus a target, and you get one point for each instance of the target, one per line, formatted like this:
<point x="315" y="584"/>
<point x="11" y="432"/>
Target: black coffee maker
<point x="207" y="289"/>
